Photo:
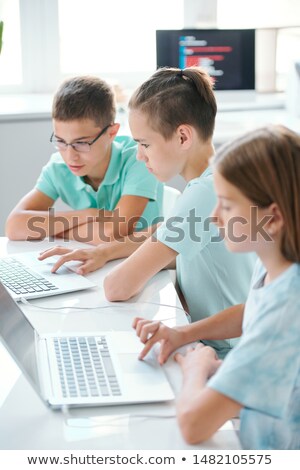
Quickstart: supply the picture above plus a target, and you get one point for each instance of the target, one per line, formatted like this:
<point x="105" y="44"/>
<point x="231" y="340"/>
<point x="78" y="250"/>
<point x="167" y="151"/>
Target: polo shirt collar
<point x="114" y="168"/>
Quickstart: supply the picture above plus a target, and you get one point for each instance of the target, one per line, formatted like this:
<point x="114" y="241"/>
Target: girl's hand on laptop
<point x="200" y="361"/>
<point x="151" y="332"/>
<point x="92" y="258"/>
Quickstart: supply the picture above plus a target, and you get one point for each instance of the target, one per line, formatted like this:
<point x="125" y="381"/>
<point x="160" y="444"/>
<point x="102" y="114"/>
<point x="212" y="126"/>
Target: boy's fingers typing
<point x="149" y="330"/>
<point x="140" y="324"/>
<point x="64" y="259"/>
<point x="147" y="348"/>
<point x="87" y="267"/>
<point x="165" y="351"/>
<point x="135" y="322"/>
<point x="179" y="358"/>
<point x="57" y="250"/>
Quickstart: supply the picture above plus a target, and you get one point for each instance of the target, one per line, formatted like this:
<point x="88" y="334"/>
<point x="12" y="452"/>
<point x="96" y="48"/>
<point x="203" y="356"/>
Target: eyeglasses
<point x="77" y="146"/>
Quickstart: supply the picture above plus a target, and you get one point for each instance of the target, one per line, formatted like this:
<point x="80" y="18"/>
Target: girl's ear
<point x="276" y="222"/>
<point x="113" y="130"/>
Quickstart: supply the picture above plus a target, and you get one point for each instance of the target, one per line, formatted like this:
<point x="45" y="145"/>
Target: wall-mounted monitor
<point x="227" y="55"/>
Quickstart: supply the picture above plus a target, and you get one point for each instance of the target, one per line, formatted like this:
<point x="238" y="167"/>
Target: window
<point x="258" y="13"/>
<point x="10" y="57"/>
<point x="47" y="40"/>
<point x="288" y="52"/>
<point x="279" y="15"/>
<point x="116" y="38"/>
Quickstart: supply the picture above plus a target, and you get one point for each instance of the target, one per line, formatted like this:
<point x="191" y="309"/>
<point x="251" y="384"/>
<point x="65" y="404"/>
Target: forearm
<point x="197" y="418"/>
<point x="117" y="246"/>
<point x="36" y="225"/>
<point x="223" y="325"/>
<point x="200" y="409"/>
<point x="129" y="277"/>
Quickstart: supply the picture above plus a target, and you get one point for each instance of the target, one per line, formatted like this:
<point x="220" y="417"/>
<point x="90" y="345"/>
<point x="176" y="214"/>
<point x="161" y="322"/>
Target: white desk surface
<point x="26" y="423"/>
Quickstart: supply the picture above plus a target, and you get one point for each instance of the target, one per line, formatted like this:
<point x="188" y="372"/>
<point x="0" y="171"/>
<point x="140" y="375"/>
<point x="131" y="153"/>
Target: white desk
<point x="25" y="422"/>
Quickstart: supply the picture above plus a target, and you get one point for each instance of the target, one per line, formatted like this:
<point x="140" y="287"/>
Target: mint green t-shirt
<point x="125" y="176"/>
<point x="209" y="276"/>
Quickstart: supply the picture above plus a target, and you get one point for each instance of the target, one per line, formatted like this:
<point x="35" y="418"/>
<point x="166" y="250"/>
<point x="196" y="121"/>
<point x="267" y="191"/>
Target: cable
<point x="119" y="305"/>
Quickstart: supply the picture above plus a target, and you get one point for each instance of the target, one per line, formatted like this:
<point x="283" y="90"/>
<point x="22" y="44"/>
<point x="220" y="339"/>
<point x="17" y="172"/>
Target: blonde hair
<point x="171" y="97"/>
<point x="265" y="166"/>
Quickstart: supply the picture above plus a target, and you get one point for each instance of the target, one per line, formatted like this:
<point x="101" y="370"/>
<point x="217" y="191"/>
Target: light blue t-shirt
<point x="263" y="371"/>
<point x="125" y="176"/>
<point x="210" y="277"/>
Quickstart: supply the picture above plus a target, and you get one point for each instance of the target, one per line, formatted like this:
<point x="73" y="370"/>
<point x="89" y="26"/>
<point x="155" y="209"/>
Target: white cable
<point x="119" y="305"/>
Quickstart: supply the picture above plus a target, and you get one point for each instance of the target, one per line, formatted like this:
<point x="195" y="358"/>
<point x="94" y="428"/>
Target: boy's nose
<point x="71" y="152"/>
<point x="140" y="154"/>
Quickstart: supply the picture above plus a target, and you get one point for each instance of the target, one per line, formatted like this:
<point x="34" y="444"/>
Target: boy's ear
<point x="184" y="134"/>
<point x="113" y="130"/>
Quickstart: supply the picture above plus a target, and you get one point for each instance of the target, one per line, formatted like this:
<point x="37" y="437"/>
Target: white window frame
<point x="41" y="59"/>
<point x="37" y="19"/>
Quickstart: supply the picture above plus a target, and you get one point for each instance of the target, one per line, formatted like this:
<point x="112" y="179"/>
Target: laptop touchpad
<point x="131" y="365"/>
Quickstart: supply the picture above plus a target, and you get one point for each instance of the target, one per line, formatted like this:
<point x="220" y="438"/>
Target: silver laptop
<point x="25" y="276"/>
<point x="88" y="369"/>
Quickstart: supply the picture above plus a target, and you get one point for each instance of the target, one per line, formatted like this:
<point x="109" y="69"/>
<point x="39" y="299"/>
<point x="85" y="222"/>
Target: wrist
<point x="108" y="251"/>
<point x="182" y="335"/>
<point x="91" y="214"/>
<point x="188" y="333"/>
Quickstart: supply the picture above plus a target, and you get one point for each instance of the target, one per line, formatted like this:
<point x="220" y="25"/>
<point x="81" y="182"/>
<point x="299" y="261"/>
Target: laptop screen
<point x="227" y="55"/>
<point x="18" y="336"/>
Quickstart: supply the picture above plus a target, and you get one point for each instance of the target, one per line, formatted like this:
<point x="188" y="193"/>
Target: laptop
<point x="86" y="369"/>
<point x="26" y="277"/>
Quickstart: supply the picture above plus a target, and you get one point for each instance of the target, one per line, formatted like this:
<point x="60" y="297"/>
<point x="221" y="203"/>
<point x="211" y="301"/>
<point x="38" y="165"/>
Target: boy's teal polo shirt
<point x="125" y="176"/>
<point x="209" y="276"/>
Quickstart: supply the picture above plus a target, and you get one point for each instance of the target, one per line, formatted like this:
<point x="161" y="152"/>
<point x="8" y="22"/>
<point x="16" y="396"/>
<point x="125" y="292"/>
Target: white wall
<point x="24" y="149"/>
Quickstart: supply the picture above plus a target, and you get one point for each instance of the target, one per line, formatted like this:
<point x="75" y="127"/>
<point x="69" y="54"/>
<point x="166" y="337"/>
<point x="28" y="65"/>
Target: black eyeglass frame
<point x="74" y="143"/>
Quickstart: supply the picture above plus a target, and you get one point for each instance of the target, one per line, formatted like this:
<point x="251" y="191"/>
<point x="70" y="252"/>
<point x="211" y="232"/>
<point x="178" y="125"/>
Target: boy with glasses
<point x="93" y="171"/>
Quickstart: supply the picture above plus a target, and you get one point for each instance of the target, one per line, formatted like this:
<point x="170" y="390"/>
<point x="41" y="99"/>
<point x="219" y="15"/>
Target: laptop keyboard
<point x="85" y="367"/>
<point x="21" y="280"/>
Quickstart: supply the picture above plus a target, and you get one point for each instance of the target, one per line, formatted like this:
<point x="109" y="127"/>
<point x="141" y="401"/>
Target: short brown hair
<point x="85" y="97"/>
<point x="171" y="97"/>
<point x="265" y="166"/>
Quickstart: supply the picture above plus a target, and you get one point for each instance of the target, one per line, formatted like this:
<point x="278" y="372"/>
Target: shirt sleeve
<point x="46" y="180"/>
<point x="191" y="227"/>
<point x="262" y="370"/>
<point x="139" y="182"/>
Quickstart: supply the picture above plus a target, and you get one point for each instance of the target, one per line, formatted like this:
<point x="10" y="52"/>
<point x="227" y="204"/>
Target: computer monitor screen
<point x="227" y="55"/>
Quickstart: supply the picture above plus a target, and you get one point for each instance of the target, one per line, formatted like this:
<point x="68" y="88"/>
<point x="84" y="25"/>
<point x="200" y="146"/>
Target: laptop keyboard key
<point x="85" y="367"/>
<point x="22" y="280"/>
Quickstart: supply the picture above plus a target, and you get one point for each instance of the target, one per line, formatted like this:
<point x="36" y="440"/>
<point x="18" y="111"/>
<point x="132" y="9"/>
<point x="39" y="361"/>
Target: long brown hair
<point x="265" y="166"/>
<point x="171" y="97"/>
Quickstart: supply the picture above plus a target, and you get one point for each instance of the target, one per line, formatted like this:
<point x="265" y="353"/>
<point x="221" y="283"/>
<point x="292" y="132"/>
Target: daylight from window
<point x="10" y="57"/>
<point x="119" y="37"/>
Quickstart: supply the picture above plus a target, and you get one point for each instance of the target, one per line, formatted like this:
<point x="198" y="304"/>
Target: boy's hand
<point x="92" y="258"/>
<point x="151" y="332"/>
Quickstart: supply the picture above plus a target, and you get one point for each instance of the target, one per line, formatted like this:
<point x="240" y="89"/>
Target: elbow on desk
<point x="12" y="232"/>
<point x="191" y="428"/>
<point x="15" y="233"/>
<point x="114" y="290"/>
